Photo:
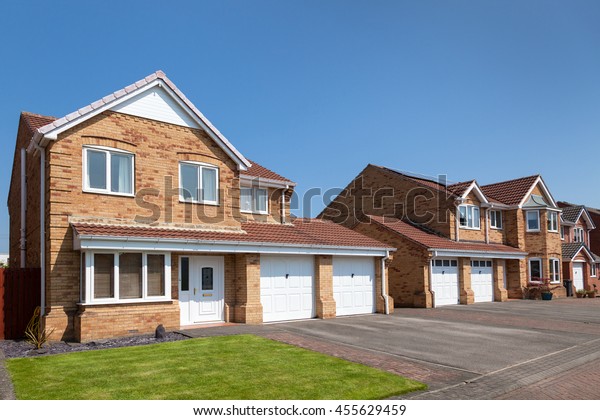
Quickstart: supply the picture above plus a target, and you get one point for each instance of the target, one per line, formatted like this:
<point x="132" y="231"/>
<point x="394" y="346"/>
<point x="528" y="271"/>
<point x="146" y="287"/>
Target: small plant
<point x="34" y="333"/>
<point x="591" y="293"/>
<point x="538" y="287"/>
<point x="580" y="293"/>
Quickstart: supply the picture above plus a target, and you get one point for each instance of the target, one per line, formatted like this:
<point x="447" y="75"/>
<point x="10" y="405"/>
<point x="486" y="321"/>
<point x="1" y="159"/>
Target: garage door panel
<point x="353" y="285"/>
<point x="482" y="280"/>
<point x="286" y="287"/>
<point x="444" y="282"/>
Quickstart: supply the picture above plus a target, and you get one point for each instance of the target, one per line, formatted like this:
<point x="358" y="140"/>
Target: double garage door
<point x="445" y="281"/>
<point x="287" y="286"/>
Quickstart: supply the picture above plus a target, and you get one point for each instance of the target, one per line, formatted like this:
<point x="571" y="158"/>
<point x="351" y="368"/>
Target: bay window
<point x="535" y="269"/>
<point x="198" y="183"/>
<point x="469" y="216"/>
<point x="533" y="220"/>
<point x="254" y="200"/>
<point x="552" y="221"/>
<point x="119" y="277"/>
<point x="108" y="171"/>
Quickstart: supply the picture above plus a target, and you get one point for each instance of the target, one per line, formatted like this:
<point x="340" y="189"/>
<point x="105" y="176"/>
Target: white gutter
<point x="383" y="283"/>
<point x="449" y="253"/>
<point x="42" y="227"/>
<point x="23" y="245"/>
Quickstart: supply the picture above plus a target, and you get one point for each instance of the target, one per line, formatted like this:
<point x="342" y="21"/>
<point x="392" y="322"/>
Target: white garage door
<point x="482" y="280"/>
<point x="444" y="282"/>
<point x="287" y="287"/>
<point x="578" y="275"/>
<point x="354" y="285"/>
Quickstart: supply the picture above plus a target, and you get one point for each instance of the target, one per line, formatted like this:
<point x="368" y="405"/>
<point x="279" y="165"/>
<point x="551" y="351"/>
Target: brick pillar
<point x="424" y="298"/>
<point x="500" y="293"/>
<point x="464" y="281"/>
<point x="324" y="286"/>
<point x="517" y="274"/>
<point x="248" y="308"/>
<point x="379" y="298"/>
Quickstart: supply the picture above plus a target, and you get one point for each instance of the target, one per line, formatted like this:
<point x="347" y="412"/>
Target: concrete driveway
<point x="480" y="351"/>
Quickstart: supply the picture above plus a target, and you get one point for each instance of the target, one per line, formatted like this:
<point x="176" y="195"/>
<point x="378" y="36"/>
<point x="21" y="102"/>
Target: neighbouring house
<point x="140" y="212"/>
<point x="456" y="243"/>
<point x="580" y="263"/>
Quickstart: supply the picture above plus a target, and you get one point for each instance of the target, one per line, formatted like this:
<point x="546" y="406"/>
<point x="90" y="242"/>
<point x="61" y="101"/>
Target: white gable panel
<point x="156" y="104"/>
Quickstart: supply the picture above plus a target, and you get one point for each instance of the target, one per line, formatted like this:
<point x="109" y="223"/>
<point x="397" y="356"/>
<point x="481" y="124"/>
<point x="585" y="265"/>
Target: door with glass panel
<point x="201" y="283"/>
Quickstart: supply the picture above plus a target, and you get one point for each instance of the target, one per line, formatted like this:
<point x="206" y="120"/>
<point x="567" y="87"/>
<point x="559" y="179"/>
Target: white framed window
<point x="562" y="232"/>
<point x="552" y="221"/>
<point x="198" y="183"/>
<point x="125" y="277"/>
<point x="254" y="200"/>
<point x="554" y="270"/>
<point x="535" y="269"/>
<point x="108" y="171"/>
<point x="496" y="219"/>
<point x="533" y="220"/>
<point x="593" y="269"/>
<point x="469" y="216"/>
<point x="578" y="235"/>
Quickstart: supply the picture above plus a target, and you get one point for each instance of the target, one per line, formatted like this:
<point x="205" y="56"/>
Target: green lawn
<point x="234" y="367"/>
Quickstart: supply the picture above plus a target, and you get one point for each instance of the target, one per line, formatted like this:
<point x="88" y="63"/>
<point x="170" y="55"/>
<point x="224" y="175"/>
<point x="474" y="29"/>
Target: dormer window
<point x="469" y="216"/>
<point x="254" y="200"/>
<point x="107" y="171"/>
<point x="533" y="220"/>
<point x="552" y="221"/>
<point x="578" y="235"/>
<point x="198" y="183"/>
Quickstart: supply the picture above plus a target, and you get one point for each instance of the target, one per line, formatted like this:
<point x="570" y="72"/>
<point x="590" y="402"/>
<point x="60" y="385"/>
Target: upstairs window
<point x="578" y="235"/>
<point x="198" y="183"/>
<point x="593" y="269"/>
<point x="108" y="171"/>
<point x="469" y="217"/>
<point x="552" y="221"/>
<point x="562" y="232"/>
<point x="496" y="219"/>
<point x="254" y="200"/>
<point x="533" y="220"/>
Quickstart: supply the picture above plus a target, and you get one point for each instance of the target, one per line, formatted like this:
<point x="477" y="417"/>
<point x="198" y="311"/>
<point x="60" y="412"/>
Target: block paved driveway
<point x="510" y="350"/>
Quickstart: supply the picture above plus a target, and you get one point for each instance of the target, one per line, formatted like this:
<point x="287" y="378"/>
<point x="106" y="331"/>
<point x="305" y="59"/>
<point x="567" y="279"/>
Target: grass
<point x="235" y="367"/>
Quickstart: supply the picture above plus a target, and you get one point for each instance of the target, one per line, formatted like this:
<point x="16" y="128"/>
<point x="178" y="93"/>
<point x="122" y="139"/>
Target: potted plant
<point x="540" y="288"/>
<point x="580" y="293"/>
<point x="591" y="293"/>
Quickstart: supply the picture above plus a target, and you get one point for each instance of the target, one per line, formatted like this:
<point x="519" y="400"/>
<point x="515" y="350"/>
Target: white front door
<point x="444" y="282"/>
<point x="354" y="285"/>
<point x="287" y="287"/>
<point x="482" y="280"/>
<point x="201" y="289"/>
<point x="578" y="275"/>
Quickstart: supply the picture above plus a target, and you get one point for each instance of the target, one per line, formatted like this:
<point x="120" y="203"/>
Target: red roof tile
<point x="301" y="232"/>
<point x="35" y="121"/>
<point x="432" y="241"/>
<point x="460" y="187"/>
<point x="510" y="192"/>
<point x="423" y="181"/>
<point x="259" y="171"/>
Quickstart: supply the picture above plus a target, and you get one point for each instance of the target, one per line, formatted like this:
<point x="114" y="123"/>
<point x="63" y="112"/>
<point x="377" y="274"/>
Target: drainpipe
<point x="42" y="227"/>
<point x="383" y="283"/>
<point x="23" y="207"/>
<point x="429" y="286"/>
<point x="487" y="227"/>
<point x="283" y="204"/>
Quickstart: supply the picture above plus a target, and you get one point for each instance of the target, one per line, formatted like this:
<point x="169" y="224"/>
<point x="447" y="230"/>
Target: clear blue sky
<point x="316" y="90"/>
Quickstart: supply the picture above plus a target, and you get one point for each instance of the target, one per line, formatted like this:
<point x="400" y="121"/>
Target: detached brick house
<point x="458" y="243"/>
<point x="140" y="212"/>
<point x="580" y="263"/>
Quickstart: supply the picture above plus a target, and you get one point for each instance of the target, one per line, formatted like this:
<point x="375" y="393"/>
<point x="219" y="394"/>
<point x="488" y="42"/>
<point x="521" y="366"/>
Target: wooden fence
<point x="19" y="296"/>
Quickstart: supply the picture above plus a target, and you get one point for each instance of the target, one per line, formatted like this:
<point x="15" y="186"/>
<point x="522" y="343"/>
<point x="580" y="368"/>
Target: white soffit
<point x="156" y="104"/>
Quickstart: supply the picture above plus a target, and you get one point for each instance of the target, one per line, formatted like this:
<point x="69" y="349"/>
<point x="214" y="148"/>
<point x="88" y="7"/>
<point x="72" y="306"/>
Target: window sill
<point x="101" y="192"/>
<point x="262" y="213"/>
<point x="470" y="228"/>
<point x="204" y="203"/>
<point x="533" y="231"/>
<point x="126" y="302"/>
<point x="496" y="228"/>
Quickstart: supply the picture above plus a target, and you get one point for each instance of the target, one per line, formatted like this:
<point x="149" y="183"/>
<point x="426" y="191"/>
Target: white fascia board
<point x="183" y="245"/>
<point x="247" y="180"/>
<point x="541" y="182"/>
<point x="588" y="219"/>
<point x="439" y="253"/>
<point x="243" y="163"/>
<point x="478" y="193"/>
<point x="587" y="252"/>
